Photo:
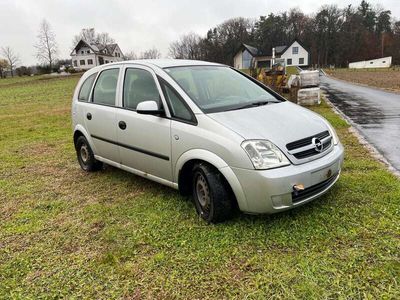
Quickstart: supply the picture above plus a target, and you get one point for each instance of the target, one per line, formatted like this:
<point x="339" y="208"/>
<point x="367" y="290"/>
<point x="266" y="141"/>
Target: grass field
<point x="68" y="234"/>
<point x="388" y="79"/>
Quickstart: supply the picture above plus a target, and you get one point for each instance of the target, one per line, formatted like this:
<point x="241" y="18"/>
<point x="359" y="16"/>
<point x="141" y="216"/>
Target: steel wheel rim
<point x="84" y="152"/>
<point x="202" y="192"/>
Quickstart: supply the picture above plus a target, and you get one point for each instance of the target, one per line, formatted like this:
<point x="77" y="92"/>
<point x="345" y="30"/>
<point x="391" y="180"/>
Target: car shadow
<point x="158" y="189"/>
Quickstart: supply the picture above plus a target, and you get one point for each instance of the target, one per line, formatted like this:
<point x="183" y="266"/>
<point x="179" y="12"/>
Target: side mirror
<point x="148" y="108"/>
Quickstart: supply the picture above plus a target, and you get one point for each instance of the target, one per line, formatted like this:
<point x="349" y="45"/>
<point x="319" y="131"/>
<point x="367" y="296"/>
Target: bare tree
<point x="12" y="58"/>
<point x="150" y="54"/>
<point x="187" y="47"/>
<point x="86" y="34"/>
<point x="46" y="46"/>
<point x="90" y="36"/>
<point x="3" y="66"/>
<point x="104" y="38"/>
<point x="130" y="56"/>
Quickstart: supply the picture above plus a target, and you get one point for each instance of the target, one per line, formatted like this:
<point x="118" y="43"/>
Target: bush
<point x="23" y="71"/>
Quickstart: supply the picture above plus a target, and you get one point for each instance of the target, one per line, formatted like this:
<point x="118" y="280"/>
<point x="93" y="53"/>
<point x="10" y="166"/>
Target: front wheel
<point x="211" y="194"/>
<point x="85" y="156"/>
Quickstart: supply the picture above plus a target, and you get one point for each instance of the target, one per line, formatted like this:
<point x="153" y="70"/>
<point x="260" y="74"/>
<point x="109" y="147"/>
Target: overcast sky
<point x="136" y="25"/>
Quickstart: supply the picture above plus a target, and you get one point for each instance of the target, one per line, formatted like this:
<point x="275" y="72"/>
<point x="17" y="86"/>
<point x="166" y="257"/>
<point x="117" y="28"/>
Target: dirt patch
<point x="38" y="149"/>
<point x="388" y="79"/>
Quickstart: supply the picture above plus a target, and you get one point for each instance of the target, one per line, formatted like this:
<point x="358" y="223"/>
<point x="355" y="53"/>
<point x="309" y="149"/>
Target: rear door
<point x="100" y="114"/>
<point x="145" y="140"/>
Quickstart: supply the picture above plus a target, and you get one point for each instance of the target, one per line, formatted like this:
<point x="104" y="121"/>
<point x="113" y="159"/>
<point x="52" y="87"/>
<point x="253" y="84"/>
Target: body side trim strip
<point x="132" y="148"/>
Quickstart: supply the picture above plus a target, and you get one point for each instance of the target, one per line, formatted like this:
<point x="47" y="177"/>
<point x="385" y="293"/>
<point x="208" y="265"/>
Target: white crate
<point x="309" y="96"/>
<point x="309" y="78"/>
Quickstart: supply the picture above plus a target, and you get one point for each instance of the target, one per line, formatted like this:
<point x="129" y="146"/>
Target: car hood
<point x="280" y="123"/>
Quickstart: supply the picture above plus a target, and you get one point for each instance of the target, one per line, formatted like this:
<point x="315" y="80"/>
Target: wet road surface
<point x="375" y="113"/>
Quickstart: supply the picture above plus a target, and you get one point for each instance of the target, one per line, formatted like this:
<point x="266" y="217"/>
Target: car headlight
<point x="335" y="138"/>
<point x="264" y="154"/>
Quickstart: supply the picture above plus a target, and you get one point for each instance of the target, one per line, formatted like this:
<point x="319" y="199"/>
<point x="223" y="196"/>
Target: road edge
<point x="361" y="139"/>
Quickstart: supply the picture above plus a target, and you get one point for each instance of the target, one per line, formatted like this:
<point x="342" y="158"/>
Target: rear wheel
<point x="86" y="157"/>
<point x="211" y="194"/>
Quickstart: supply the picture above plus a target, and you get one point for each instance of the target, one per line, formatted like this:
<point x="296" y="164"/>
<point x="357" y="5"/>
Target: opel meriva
<point x="208" y="130"/>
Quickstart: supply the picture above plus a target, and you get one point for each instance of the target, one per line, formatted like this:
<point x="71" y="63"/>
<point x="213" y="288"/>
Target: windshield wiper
<point x="255" y="104"/>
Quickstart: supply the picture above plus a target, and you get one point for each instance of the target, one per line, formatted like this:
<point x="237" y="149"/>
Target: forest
<point x="334" y="36"/>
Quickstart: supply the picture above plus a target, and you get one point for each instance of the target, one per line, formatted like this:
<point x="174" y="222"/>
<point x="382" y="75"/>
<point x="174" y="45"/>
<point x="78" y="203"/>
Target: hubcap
<point x="202" y="191"/>
<point x="84" y="153"/>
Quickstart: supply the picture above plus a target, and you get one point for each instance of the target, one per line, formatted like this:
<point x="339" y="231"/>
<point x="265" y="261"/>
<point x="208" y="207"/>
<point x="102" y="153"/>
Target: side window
<point x="106" y="87"/>
<point x="139" y="86"/>
<point x="177" y="105"/>
<point x="86" y="87"/>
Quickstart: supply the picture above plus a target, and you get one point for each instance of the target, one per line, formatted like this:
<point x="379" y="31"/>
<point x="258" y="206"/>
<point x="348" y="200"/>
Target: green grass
<point x="68" y="234"/>
<point x="291" y="70"/>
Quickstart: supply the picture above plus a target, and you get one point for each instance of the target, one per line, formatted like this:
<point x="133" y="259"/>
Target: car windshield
<point x="219" y="88"/>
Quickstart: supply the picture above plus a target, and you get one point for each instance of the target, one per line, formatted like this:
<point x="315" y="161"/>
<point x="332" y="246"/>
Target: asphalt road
<point x="374" y="112"/>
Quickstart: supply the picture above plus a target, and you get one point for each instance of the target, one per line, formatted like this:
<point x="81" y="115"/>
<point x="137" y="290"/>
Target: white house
<point x="86" y="55"/>
<point x="293" y="55"/>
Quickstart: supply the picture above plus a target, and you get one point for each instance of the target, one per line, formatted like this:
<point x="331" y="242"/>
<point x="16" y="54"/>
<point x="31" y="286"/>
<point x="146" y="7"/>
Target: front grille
<point x="311" y="152"/>
<point x="313" y="190"/>
<point x="308" y="142"/>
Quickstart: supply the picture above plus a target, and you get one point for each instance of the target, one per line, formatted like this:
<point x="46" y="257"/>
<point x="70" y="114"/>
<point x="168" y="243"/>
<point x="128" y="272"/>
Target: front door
<point x="101" y="60"/>
<point x="145" y="140"/>
<point x="100" y="115"/>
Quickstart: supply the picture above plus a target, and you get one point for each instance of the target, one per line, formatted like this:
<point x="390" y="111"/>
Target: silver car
<point x="207" y="130"/>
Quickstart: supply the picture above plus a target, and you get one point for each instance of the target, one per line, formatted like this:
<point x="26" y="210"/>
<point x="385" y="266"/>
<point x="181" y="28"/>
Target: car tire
<point x="212" y="195"/>
<point x="86" y="157"/>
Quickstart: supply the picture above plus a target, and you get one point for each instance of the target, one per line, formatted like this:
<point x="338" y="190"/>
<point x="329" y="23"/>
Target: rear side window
<point x="106" y="87"/>
<point x="86" y="88"/>
<point x="139" y="86"/>
<point x="178" y="107"/>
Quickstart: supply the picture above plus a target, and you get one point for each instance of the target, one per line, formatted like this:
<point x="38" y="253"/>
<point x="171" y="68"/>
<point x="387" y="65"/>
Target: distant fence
<point x="383" y="62"/>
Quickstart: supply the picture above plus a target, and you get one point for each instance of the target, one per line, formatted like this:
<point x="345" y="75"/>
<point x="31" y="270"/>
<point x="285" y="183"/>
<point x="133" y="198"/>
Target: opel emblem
<point x="317" y="144"/>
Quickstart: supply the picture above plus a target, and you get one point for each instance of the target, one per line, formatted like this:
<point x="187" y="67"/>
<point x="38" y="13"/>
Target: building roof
<point x="253" y="50"/>
<point x="96" y="47"/>
<point x="290" y="44"/>
<point x="278" y="49"/>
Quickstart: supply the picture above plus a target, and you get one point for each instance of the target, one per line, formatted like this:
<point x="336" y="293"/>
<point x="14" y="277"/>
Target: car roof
<point x="166" y="63"/>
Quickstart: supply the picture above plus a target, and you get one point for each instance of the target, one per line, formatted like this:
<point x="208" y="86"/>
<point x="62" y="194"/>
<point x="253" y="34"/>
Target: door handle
<point x="89" y="116"/>
<point x="122" y="125"/>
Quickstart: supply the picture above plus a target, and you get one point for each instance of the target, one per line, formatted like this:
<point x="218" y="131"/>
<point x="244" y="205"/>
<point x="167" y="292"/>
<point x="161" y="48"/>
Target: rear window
<point x="86" y="87"/>
<point x="106" y="87"/>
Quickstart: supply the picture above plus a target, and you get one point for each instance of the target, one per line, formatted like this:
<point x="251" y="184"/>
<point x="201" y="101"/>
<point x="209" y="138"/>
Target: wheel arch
<point x="79" y="130"/>
<point x="187" y="160"/>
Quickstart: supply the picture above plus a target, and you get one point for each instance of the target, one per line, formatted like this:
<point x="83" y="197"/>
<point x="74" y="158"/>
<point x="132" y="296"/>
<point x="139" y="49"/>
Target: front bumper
<point x="271" y="191"/>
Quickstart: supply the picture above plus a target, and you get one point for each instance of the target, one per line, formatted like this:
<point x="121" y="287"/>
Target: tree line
<point x="333" y="35"/>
